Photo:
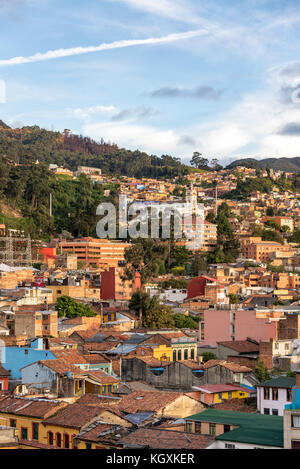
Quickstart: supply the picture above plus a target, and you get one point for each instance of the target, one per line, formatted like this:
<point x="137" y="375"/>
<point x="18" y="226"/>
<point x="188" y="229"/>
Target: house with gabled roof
<point x="26" y="414"/>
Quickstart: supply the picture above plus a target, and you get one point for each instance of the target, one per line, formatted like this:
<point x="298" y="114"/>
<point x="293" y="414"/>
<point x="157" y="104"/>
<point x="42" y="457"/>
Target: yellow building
<point x="62" y="429"/>
<point x="217" y="393"/>
<point x="26" y="415"/>
<point x="75" y="291"/>
<point x="163" y="353"/>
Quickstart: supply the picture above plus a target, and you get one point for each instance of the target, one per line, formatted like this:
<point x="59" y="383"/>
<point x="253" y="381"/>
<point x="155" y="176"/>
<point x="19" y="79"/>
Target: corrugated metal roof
<point x="139" y="417"/>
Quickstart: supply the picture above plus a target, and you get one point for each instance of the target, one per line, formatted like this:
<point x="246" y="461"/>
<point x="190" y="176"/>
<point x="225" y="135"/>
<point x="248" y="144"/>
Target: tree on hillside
<point x="144" y="256"/>
<point x="69" y="308"/>
<point x="198" y="161"/>
<point x="152" y="314"/>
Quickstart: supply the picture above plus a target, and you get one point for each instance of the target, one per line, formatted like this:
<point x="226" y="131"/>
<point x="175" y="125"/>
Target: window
<point x="58" y="440"/>
<point x="229" y="446"/>
<point x="109" y="388"/>
<point x="35" y="431"/>
<point x="50" y="438"/>
<point x="275" y="394"/>
<point x="66" y="441"/>
<point x="198" y="427"/>
<point x="174" y="355"/>
<point x="267" y="411"/>
<point x="266" y="394"/>
<point x="179" y="355"/>
<point x="186" y="354"/>
<point x="88" y="445"/>
<point x="24" y="433"/>
<point x="189" y="427"/>
<point x="192" y="354"/>
<point x="275" y="412"/>
<point x="289" y="395"/>
<point x="226" y="428"/>
<point x="296" y="421"/>
<point x="212" y="429"/>
<point x="13" y="423"/>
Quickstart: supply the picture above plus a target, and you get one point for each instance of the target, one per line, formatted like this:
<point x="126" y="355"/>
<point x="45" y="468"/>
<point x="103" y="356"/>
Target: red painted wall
<point x="4" y="382"/>
<point x="196" y="287"/>
<point x="108" y="284"/>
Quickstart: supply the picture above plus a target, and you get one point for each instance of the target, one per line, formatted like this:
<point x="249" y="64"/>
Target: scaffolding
<point x="15" y="251"/>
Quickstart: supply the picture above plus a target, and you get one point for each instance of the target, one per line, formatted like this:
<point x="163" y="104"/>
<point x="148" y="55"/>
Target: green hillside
<point x="291" y="165"/>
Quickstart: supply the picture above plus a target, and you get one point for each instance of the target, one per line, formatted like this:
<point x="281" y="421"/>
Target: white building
<point x="274" y="395"/>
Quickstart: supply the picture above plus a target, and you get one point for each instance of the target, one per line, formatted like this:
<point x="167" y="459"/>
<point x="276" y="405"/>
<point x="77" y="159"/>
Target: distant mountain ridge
<point x="290" y="165"/>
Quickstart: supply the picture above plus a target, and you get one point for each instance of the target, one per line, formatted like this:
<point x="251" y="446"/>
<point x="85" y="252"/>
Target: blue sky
<point x="165" y="76"/>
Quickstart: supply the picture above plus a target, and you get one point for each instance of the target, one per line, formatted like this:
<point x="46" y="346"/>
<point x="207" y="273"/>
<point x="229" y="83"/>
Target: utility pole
<point x="216" y="201"/>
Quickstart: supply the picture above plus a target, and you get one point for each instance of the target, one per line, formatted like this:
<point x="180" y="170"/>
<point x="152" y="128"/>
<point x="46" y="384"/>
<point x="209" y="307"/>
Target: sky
<point x="163" y="76"/>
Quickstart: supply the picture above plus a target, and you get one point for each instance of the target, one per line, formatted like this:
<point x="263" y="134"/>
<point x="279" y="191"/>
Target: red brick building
<point x="113" y="287"/>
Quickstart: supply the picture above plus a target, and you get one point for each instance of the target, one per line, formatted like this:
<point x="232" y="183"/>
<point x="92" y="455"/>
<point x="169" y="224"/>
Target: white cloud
<point x="173" y="9"/>
<point x="142" y="137"/>
<point x="88" y="113"/>
<point x="59" y="53"/>
<point x="261" y="124"/>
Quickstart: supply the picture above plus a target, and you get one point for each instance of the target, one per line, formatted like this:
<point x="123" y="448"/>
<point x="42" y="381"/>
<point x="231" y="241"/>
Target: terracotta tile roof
<point x="60" y="366"/>
<point x="86" y="334"/>
<point x="73" y="416"/>
<point x="192" y="364"/>
<point x="53" y="341"/>
<point x="100" y="346"/>
<point x="241" y="346"/>
<point x="70" y="356"/>
<point x="99" y="400"/>
<point x="216" y="388"/>
<point x="96" y="358"/>
<point x="165" y="439"/>
<point x="39" y="408"/>
<point x="147" y="401"/>
<point x="102" y="377"/>
<point x="3" y="372"/>
<point x="234" y="367"/>
<point x="36" y="445"/>
<point x="96" y="432"/>
<point x="172" y="335"/>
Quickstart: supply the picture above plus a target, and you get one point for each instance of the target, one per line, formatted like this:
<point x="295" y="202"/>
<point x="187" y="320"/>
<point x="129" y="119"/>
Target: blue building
<point x="14" y="358"/>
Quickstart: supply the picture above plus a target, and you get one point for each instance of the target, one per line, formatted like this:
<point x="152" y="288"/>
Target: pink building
<point x="227" y="325"/>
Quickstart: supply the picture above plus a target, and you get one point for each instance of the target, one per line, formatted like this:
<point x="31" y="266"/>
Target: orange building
<point x="102" y="253"/>
<point x="261" y="251"/>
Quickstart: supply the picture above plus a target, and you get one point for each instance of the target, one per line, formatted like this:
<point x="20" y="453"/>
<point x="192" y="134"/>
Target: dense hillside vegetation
<point x="26" y="183"/>
<point x="28" y="144"/>
<point x="291" y="165"/>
